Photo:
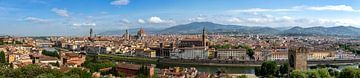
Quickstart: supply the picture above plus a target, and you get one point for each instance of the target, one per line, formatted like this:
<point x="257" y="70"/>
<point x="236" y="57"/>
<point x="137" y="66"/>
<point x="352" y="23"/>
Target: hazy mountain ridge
<point x="196" y="27"/>
<point x="337" y="30"/>
<point x="131" y="31"/>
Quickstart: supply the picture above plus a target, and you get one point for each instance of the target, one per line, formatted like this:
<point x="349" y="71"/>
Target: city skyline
<point x="74" y="18"/>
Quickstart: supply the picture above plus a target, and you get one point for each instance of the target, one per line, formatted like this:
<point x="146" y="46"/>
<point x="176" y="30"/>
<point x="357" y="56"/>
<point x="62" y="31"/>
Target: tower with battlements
<point x="298" y="58"/>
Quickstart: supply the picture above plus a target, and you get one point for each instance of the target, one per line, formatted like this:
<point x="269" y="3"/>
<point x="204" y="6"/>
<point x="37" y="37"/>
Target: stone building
<point x="298" y="58"/>
<point x="141" y="34"/>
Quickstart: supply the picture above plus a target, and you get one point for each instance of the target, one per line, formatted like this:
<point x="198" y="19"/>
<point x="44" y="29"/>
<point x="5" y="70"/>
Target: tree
<point x="324" y="73"/>
<point x="2" y="57"/>
<point x="284" y="68"/>
<point x="312" y="74"/>
<point x="50" y="53"/>
<point x="298" y="74"/>
<point x="143" y="70"/>
<point x="257" y="71"/>
<point x="333" y="73"/>
<point x="350" y="73"/>
<point x="268" y="68"/>
<point x="94" y="66"/>
<point x="80" y="72"/>
<point x="46" y="75"/>
<point x="250" y="52"/>
<point x="31" y="71"/>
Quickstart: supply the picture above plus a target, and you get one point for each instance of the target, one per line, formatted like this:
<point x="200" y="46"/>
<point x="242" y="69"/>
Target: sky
<point x="76" y="17"/>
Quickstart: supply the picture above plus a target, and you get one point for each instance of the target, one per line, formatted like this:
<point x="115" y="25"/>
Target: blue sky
<point x="75" y="17"/>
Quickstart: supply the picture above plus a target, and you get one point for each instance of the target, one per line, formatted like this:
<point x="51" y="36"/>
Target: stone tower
<point x="91" y="32"/>
<point x="126" y="35"/>
<point x="298" y="58"/>
<point x="204" y="37"/>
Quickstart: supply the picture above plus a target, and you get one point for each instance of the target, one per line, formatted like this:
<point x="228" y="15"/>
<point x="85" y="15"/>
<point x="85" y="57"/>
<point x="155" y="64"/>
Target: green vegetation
<point x="94" y="65"/>
<point x="268" y="68"/>
<point x="319" y="73"/>
<point x="250" y="52"/>
<point x="17" y="42"/>
<point x="348" y="48"/>
<point x="2" y="57"/>
<point x="50" y="53"/>
<point x="78" y="73"/>
<point x="350" y="73"/>
<point x="271" y="69"/>
<point x="35" y="71"/>
<point x="284" y="68"/>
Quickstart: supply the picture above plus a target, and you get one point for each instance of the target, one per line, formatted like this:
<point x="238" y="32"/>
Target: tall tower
<point x="204" y="37"/>
<point x="298" y="58"/>
<point x="126" y="35"/>
<point x="91" y="32"/>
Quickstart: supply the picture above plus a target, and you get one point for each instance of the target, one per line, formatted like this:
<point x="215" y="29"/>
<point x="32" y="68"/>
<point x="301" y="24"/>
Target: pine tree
<point x="2" y="57"/>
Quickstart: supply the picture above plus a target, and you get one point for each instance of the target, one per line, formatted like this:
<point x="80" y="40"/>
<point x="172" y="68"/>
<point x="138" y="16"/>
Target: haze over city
<point x="76" y="17"/>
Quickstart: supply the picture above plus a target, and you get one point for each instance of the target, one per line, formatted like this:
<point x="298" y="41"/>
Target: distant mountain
<point x="131" y="31"/>
<point x="196" y="27"/>
<point x="337" y="30"/>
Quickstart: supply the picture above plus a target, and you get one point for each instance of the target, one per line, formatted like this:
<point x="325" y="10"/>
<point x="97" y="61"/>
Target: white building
<point x="189" y="53"/>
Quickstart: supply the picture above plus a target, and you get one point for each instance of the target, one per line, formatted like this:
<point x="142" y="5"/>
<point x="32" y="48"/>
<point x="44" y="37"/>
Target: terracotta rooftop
<point x="128" y="66"/>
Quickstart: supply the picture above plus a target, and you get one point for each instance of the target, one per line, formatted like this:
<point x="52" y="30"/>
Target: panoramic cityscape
<point x="179" y="39"/>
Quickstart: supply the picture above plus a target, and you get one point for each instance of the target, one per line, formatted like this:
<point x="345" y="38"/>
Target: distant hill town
<point x="196" y="27"/>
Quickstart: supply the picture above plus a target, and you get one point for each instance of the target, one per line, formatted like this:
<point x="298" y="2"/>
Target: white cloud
<point x="141" y="21"/>
<point x="61" y="12"/>
<point x="84" y="24"/>
<point x="120" y="2"/>
<point x="125" y="21"/>
<point x="155" y="20"/>
<point x="199" y="18"/>
<point x="331" y="8"/>
<point x="275" y="21"/>
<point x="158" y="20"/>
<point x="235" y="20"/>
<point x="299" y="8"/>
<point x="261" y="10"/>
<point x="37" y="20"/>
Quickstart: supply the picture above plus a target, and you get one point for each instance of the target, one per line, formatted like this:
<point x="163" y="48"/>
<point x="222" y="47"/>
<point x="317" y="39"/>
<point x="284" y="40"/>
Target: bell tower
<point x="204" y="37"/>
<point x="91" y="32"/>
